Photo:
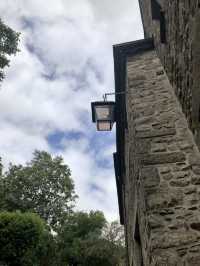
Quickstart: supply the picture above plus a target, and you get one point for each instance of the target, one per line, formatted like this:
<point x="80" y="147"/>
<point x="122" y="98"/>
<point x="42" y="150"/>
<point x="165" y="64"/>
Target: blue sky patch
<point x="55" y="139"/>
<point x="95" y="188"/>
<point x="27" y="23"/>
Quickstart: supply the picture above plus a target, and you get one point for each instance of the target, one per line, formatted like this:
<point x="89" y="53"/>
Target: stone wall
<point x="162" y="183"/>
<point x="180" y="54"/>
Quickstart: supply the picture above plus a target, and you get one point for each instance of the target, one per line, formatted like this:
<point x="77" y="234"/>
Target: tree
<point x="78" y="228"/>
<point x="108" y="249"/>
<point x="98" y="252"/>
<point x="45" y="253"/>
<point x="43" y="186"/>
<point x="83" y="241"/>
<point x="114" y="233"/>
<point x="19" y="235"/>
<point x="9" y="40"/>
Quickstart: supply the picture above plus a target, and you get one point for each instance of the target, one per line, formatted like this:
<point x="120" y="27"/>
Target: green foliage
<point x="43" y="186"/>
<point x="19" y="235"/>
<point x="8" y="45"/>
<point x="1" y="167"/>
<point x="45" y="253"/>
<point x="114" y="233"/>
<point x="81" y="224"/>
<point x="78" y="227"/>
<point x="98" y="252"/>
<point x="85" y="240"/>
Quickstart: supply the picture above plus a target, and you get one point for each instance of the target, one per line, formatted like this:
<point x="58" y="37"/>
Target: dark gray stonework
<point x="161" y="179"/>
<point x="180" y="53"/>
<point x="166" y="216"/>
<point x="157" y="163"/>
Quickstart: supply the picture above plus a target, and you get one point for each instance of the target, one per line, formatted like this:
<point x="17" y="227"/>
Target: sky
<point x="65" y="62"/>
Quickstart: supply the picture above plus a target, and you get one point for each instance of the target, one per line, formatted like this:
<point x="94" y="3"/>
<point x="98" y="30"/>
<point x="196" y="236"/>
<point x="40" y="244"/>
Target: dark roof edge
<point x="119" y="188"/>
<point x="142" y="18"/>
<point x="134" y="46"/>
<point x="120" y="52"/>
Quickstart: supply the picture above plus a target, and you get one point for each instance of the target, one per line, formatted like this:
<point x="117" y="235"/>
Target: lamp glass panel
<point x="104" y="126"/>
<point x="102" y="112"/>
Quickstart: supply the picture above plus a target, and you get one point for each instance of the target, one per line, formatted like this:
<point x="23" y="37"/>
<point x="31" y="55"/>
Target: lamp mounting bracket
<point x="112" y="93"/>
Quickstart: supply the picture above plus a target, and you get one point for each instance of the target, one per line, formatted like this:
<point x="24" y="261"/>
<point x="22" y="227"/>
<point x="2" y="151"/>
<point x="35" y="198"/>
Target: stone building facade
<point x="157" y="162"/>
<point x="175" y="27"/>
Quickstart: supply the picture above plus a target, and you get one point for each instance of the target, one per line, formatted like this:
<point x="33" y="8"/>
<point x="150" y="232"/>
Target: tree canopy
<point x="19" y="234"/>
<point x="100" y="251"/>
<point x="114" y="233"/>
<point x="82" y="241"/>
<point x="43" y="185"/>
<point x="9" y="40"/>
<point x="78" y="227"/>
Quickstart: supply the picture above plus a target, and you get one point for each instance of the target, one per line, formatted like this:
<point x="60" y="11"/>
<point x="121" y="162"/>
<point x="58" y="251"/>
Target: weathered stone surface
<point x="180" y="53"/>
<point x="174" y="238"/>
<point x="165" y="258"/>
<point x="158" y="147"/>
<point x="163" y="158"/>
<point x="150" y="177"/>
<point x="192" y="260"/>
<point x="195" y="226"/>
<point x="190" y="190"/>
<point x="196" y="169"/>
<point x="155" y="221"/>
<point x="143" y="146"/>
<point x="167" y="176"/>
<point x="163" y="198"/>
<point x="195" y="180"/>
<point x="179" y="183"/>
<point x="194" y="159"/>
<point x="156" y="133"/>
<point x="181" y="174"/>
<point x="162" y="170"/>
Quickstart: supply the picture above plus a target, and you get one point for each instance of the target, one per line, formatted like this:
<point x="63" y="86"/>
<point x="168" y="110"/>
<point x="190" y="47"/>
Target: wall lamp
<point x="103" y="113"/>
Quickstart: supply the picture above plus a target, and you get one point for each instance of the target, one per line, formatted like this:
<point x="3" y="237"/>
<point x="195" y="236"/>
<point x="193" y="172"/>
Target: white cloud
<point x="87" y="173"/>
<point x="65" y="62"/>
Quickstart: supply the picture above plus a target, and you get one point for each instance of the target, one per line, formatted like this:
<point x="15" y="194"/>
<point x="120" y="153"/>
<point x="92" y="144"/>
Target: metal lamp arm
<point x="112" y="93"/>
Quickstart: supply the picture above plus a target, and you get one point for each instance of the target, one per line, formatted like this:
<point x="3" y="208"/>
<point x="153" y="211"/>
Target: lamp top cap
<point x="103" y="103"/>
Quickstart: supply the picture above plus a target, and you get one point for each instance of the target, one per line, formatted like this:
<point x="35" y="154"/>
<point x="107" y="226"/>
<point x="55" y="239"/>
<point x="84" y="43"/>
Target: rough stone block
<point x="150" y="177"/>
<point x="163" y="180"/>
<point x="163" y="158"/>
<point x="156" y="133"/>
